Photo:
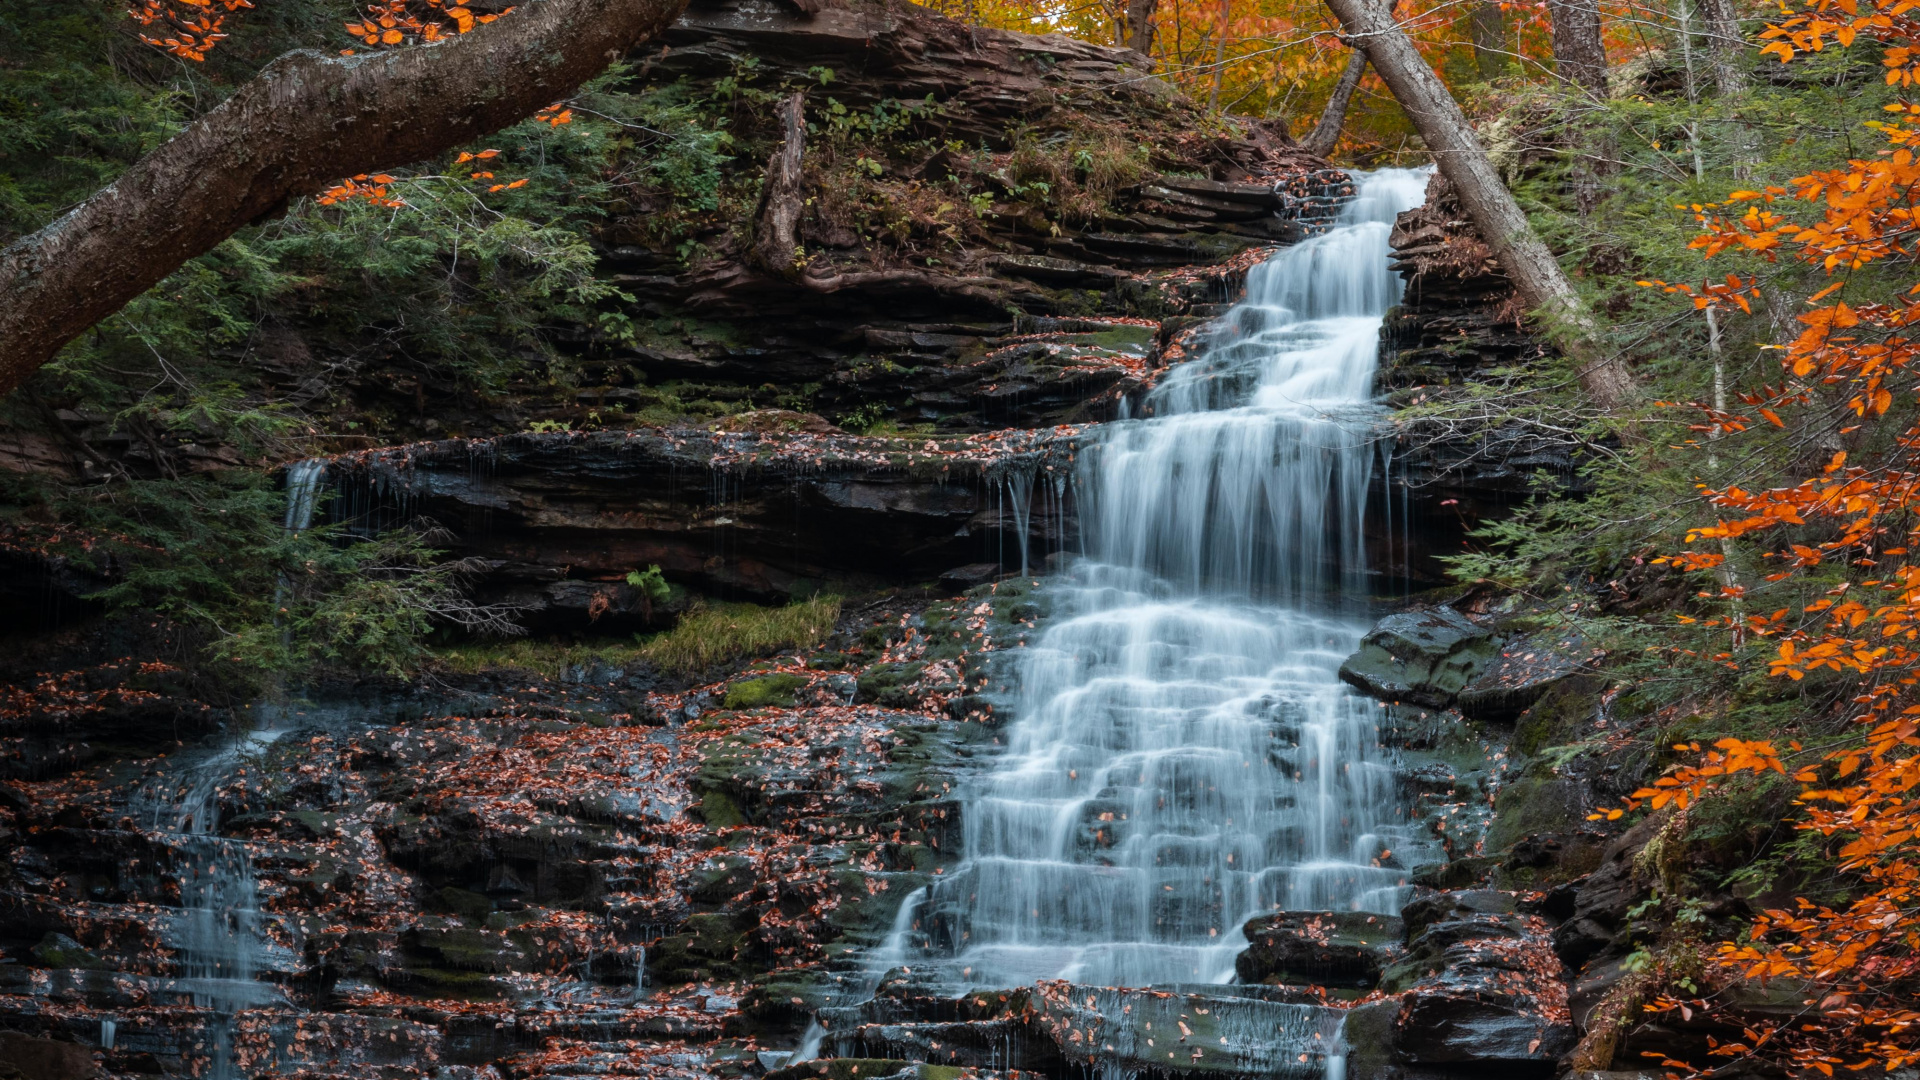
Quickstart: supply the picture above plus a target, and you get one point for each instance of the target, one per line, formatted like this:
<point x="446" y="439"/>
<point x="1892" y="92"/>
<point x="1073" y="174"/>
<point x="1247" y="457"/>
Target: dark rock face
<point x="1332" y="948"/>
<point x="1457" y="322"/>
<point x="26" y="1058"/>
<point x="1479" y="987"/>
<point x="559" y="519"/>
<point x="1423" y="657"/>
<point x="1459" y="316"/>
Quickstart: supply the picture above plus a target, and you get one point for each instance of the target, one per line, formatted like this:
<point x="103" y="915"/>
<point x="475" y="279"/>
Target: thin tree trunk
<point x="1326" y="134"/>
<point x="307" y="119"/>
<point x="1487" y="25"/>
<point x="1140" y="25"/>
<point x="1580" y="58"/>
<point x="1219" y="61"/>
<point x="1724" y="46"/>
<point x="1531" y="266"/>
<point x="782" y="196"/>
<point x="1692" y="128"/>
<point x="1333" y="119"/>
<point x="1579" y="52"/>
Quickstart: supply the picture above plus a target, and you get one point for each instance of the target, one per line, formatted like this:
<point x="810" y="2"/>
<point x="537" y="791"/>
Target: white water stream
<point x="219" y="934"/>
<point x="1183" y="756"/>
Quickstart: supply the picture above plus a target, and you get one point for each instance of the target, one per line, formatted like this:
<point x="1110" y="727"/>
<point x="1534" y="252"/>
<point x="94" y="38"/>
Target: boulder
<point x="1329" y="948"/>
<point x="1481" y="986"/>
<point x="1526" y="667"/>
<point x="1599" y="920"/>
<point x="1424" y="657"/>
<point x="23" y="1057"/>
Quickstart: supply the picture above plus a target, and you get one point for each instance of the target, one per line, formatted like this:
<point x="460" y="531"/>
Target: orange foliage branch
<point x="1859" y="962"/>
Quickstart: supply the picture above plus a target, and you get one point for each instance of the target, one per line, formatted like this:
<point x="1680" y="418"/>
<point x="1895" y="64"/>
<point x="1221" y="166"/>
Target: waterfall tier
<point x="1184" y="756"/>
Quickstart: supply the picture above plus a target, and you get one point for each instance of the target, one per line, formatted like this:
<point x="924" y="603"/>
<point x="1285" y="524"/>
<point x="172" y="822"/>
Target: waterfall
<point x="303" y="490"/>
<point x="1183" y="756"/>
<point x="219" y="937"/>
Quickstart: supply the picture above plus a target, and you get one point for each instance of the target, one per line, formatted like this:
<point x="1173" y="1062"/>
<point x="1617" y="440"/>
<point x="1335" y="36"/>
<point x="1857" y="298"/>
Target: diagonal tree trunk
<point x="307" y="119"/>
<point x="1333" y="119"/>
<point x="1456" y="149"/>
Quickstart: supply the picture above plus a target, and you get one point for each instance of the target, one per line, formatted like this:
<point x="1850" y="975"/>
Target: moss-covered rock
<point x="61" y="951"/>
<point x="762" y="692"/>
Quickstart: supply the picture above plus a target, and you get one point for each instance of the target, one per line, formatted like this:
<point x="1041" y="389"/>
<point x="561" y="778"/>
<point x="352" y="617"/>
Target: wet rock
<point x="23" y="1057"/>
<point x="1330" y="948"/>
<point x="962" y="578"/>
<point x="1424" y="657"/>
<point x="1540" y="820"/>
<point x="792" y="510"/>
<point x="1481" y="986"/>
<point x="1526" y="667"/>
<point x="1220" y="1031"/>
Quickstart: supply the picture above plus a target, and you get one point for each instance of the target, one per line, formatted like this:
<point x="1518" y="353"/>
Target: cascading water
<point x="219" y="934"/>
<point x="1184" y="756"/>
<point x="218" y="937"/>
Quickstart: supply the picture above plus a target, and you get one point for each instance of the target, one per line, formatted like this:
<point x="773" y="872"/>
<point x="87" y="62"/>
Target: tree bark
<point x="1579" y="52"/>
<point x="1326" y="134"/>
<point x="1487" y="25"/>
<point x="1456" y="149"/>
<point x="1724" y="46"/>
<point x="306" y="120"/>
<point x="1140" y="25"/>
<point x="1219" y="61"/>
<point x="782" y="195"/>
<point x="1333" y="119"/>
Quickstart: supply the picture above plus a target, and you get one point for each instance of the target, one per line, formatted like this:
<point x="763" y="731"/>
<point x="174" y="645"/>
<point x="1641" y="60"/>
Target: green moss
<point x="61" y="951"/>
<point x="468" y="905"/>
<point x="886" y="684"/>
<point x="763" y="692"/>
<point x="464" y="984"/>
<point x="719" y="810"/>
<point x="548" y="657"/>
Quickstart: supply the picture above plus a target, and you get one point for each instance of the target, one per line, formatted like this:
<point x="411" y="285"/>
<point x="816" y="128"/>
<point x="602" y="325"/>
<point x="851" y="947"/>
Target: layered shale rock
<point x="558" y="519"/>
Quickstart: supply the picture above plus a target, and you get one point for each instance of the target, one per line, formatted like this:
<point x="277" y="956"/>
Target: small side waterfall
<point x="303" y="492"/>
<point x="1183" y="755"/>
<point x="220" y="937"/>
<point x="219" y="932"/>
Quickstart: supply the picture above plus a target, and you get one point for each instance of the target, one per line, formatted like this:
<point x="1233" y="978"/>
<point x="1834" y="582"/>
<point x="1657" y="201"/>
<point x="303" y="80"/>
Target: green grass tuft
<point x="706" y="636"/>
